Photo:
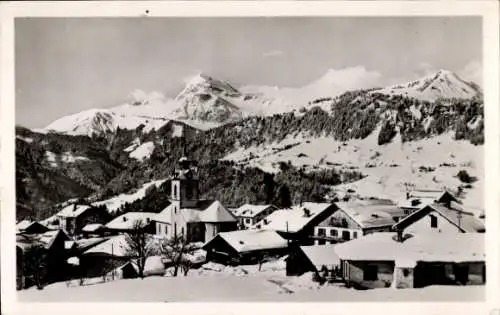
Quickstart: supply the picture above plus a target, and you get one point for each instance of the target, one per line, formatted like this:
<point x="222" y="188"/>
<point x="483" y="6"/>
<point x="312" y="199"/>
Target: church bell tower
<point x="185" y="185"/>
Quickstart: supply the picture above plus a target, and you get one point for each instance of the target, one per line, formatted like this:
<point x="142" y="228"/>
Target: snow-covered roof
<point x="293" y="219"/>
<point x="46" y="239"/>
<point x="462" y="247"/>
<point x="72" y="211"/>
<point x="92" y="227"/>
<point x="207" y="211"/>
<point x="250" y="240"/>
<point x="371" y="213"/>
<point x="126" y="221"/>
<point x="467" y="222"/>
<point x="115" y="246"/>
<point x="423" y="197"/>
<point x="23" y="225"/>
<point x="321" y="255"/>
<point x="216" y="212"/>
<point x="249" y="210"/>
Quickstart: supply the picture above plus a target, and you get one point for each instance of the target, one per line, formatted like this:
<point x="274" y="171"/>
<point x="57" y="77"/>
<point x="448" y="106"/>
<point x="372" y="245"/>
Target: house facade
<point x="249" y="214"/>
<point x="438" y="218"/>
<point x="357" y="218"/>
<point x="196" y="219"/>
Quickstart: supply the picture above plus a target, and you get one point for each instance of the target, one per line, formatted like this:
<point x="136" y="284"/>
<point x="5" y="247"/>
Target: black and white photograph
<point x="250" y="159"/>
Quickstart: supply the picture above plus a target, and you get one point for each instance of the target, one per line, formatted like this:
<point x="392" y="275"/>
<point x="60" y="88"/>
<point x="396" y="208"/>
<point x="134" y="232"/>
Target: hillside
<point x="362" y="142"/>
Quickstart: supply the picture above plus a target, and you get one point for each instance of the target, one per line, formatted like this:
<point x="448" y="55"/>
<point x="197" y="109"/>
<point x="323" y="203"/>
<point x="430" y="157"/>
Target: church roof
<point x="216" y="212"/>
<point x="206" y="211"/>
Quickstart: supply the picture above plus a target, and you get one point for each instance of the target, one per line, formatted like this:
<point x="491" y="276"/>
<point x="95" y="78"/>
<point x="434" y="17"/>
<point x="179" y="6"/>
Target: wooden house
<point x="74" y="217"/>
<point x="381" y="260"/>
<point x="320" y="259"/>
<point x="437" y="218"/>
<point x="297" y="224"/>
<point x="419" y="198"/>
<point x="248" y="214"/>
<point x="30" y="227"/>
<point x="245" y="246"/>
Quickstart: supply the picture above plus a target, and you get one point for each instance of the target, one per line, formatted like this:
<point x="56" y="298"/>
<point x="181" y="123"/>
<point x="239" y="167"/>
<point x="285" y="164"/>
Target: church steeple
<point x="185" y="184"/>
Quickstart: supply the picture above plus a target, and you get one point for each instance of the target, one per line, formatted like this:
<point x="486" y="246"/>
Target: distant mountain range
<point x="206" y="102"/>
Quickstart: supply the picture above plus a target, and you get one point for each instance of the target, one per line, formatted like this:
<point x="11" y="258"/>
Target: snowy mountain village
<point x="428" y="238"/>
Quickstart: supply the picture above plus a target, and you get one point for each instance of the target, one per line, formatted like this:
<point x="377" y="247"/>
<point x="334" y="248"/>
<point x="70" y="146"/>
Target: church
<point x="195" y="219"/>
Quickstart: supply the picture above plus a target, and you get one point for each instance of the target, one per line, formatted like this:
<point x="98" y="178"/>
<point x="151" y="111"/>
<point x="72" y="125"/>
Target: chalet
<point x="127" y="222"/>
<point x="56" y="254"/>
<point x="74" y="217"/>
<point x="245" y="246"/>
<point x="105" y="257"/>
<point x="381" y="260"/>
<point x="297" y="223"/>
<point x="354" y="219"/>
<point x="320" y="259"/>
<point x="438" y="218"/>
<point x="249" y="214"/>
<point x="419" y="198"/>
<point x="30" y="227"/>
<point x="196" y="219"/>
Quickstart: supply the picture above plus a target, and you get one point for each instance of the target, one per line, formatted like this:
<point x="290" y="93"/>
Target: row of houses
<point x="315" y="236"/>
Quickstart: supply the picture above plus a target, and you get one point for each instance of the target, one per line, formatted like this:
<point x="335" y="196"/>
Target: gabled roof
<point x="250" y="240"/>
<point x="293" y="219"/>
<point x="126" y="221"/>
<point x="206" y="211"/>
<point x="45" y="239"/>
<point x="23" y="224"/>
<point x="320" y="255"/>
<point x="249" y="210"/>
<point x="462" y="220"/>
<point x="92" y="227"/>
<point x="216" y="212"/>
<point x="114" y="246"/>
<point x="461" y="247"/>
<point x="371" y="213"/>
<point x="425" y="197"/>
<point x="30" y="226"/>
<point x="72" y="211"/>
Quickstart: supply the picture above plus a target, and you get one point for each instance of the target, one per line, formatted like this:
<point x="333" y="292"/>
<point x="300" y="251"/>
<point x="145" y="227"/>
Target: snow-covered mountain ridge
<point x="206" y="102"/>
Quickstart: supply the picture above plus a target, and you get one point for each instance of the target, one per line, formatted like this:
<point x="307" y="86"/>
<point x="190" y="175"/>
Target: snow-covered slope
<point x="442" y="84"/>
<point x="391" y="169"/>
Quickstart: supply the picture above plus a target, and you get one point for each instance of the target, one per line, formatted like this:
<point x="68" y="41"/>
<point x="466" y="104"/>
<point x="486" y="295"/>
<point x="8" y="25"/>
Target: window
<point x="321" y="232"/>
<point x="354" y="234"/>
<point x="370" y="273"/>
<point x="346" y="235"/>
<point x="165" y="229"/>
<point x="434" y="221"/>
<point x="321" y="242"/>
<point x="248" y="221"/>
<point x="182" y="231"/>
<point x="334" y="233"/>
<point x="176" y="191"/>
<point x="406" y="272"/>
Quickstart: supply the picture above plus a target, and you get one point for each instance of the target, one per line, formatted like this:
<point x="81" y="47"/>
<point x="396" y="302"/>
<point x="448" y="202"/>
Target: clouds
<point x="273" y="53"/>
<point x="473" y="71"/>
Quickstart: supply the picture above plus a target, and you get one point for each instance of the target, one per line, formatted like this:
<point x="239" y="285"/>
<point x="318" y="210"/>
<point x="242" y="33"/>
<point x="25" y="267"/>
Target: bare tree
<point x="35" y="264"/>
<point x="175" y="249"/>
<point x="139" y="245"/>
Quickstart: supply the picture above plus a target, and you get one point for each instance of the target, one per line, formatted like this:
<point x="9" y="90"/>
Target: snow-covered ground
<point x="116" y="202"/>
<point x="392" y="168"/>
<point x="244" y="284"/>
<point x="143" y="151"/>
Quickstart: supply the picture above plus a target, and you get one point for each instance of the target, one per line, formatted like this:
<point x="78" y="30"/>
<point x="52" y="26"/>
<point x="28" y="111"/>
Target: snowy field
<point x="216" y="283"/>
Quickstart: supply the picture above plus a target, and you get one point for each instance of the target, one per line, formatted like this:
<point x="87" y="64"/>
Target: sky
<point x="66" y="65"/>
